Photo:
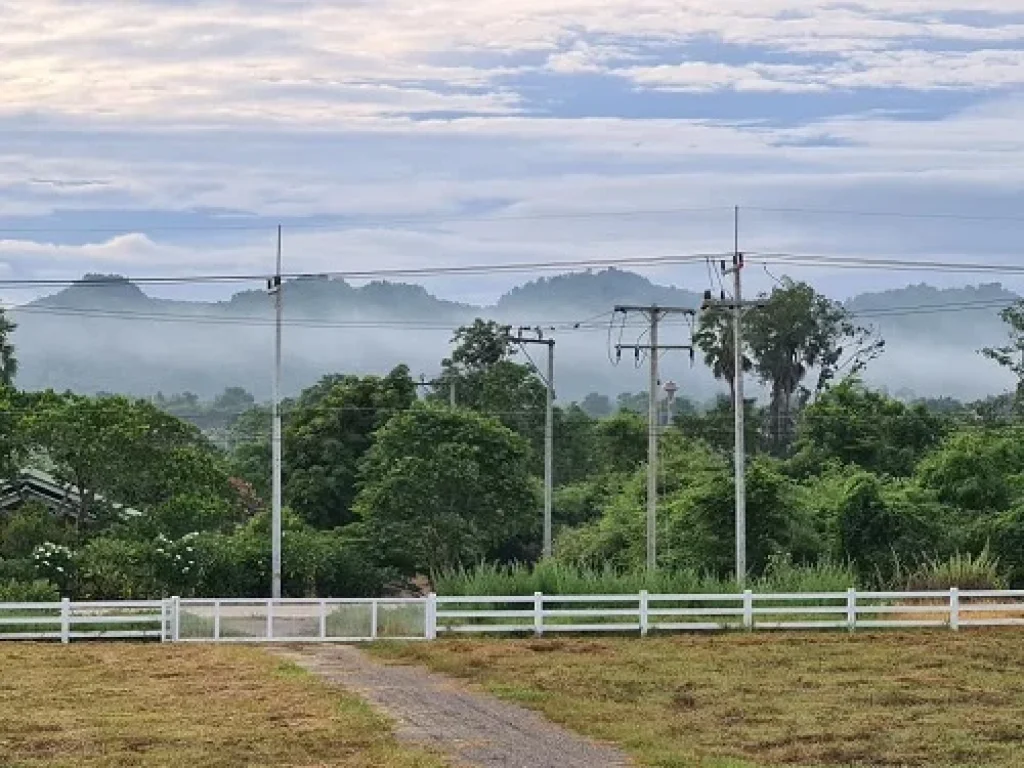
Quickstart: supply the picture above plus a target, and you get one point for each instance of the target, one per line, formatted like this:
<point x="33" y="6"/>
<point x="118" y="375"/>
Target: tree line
<point x="385" y="484"/>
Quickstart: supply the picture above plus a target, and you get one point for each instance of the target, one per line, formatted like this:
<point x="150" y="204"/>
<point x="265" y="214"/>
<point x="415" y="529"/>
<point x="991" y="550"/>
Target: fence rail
<point x="365" y="620"/>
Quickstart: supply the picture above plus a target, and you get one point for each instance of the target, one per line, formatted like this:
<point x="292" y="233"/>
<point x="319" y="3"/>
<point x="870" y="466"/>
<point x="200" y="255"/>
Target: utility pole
<point x="737" y="305"/>
<point x="438" y="383"/>
<point x="549" y="430"/>
<point x="275" y="524"/>
<point x="655" y="315"/>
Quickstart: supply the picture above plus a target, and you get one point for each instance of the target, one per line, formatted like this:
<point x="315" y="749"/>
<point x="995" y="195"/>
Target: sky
<point x="171" y="137"/>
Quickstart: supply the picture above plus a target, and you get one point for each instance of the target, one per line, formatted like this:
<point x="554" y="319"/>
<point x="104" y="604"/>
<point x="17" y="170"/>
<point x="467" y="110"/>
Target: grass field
<point x="921" y="699"/>
<point x="157" y="705"/>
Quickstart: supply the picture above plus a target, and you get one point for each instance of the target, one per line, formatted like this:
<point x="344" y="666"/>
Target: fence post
<point x="538" y="614"/>
<point x="216" y="619"/>
<point x="323" y="619"/>
<point x="431" y="609"/>
<point x="954" y="609"/>
<point x="644" y="619"/>
<point x="270" y="619"/>
<point x="748" y="609"/>
<point x="175" y="619"/>
<point x="374" y="617"/>
<point x="65" y="620"/>
<point x="851" y="609"/>
<point x="163" y="620"/>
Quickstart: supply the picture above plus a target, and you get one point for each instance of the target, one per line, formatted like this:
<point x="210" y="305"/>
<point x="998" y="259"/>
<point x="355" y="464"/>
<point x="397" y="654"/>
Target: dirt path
<point x="472" y="729"/>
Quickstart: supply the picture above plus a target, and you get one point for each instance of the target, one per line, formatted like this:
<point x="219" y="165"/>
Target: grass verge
<point x="921" y="699"/>
<point x="151" y="705"/>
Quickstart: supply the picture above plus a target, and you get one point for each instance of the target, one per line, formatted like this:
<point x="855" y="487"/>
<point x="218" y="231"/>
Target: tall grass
<point x="965" y="571"/>
<point x="555" y="578"/>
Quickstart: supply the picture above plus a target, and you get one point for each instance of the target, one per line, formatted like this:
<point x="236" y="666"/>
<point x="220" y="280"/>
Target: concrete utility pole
<point x="438" y="383"/>
<point x="549" y="430"/>
<point x="275" y="287"/>
<point x="737" y="305"/>
<point x="655" y="315"/>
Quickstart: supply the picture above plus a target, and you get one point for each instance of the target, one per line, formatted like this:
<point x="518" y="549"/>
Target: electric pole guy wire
<point x="549" y="433"/>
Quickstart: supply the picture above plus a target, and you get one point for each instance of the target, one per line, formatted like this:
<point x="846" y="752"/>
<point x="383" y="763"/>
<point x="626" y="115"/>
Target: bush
<point x="879" y="525"/>
<point x="314" y="563"/>
<point x="27" y="528"/>
<point x="39" y="591"/>
<point x="116" y="569"/>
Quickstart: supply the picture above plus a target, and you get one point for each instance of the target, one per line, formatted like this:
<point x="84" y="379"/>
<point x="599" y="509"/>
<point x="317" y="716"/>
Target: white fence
<point x="362" y="620"/>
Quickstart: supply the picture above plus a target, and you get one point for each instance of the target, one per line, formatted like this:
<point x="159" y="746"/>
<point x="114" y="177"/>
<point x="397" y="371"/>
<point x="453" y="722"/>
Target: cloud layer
<point x="158" y="137"/>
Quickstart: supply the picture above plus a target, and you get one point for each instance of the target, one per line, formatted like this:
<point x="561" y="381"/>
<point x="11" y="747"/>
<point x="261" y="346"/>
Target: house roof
<point x="35" y="483"/>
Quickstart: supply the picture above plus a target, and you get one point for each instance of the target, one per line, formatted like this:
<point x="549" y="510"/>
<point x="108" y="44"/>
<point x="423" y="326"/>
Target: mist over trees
<point x="104" y="334"/>
<point x="386" y="484"/>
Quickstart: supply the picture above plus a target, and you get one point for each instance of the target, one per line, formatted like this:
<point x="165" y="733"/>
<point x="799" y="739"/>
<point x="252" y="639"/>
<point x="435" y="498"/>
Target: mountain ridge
<point x="119" y="338"/>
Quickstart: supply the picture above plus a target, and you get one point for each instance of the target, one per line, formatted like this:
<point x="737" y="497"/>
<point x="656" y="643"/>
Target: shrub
<point x="28" y="592"/>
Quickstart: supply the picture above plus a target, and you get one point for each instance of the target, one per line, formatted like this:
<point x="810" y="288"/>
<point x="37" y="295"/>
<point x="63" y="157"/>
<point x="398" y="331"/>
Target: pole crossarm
<point x="626" y="308"/>
<point x="659" y="347"/>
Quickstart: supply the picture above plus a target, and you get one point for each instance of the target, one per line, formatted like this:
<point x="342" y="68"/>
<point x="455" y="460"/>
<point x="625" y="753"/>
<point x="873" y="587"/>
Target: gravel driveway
<point x="472" y="729"/>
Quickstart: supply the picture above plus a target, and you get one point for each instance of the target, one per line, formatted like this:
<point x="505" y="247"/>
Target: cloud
<point x="169" y="137"/>
<point x="217" y="62"/>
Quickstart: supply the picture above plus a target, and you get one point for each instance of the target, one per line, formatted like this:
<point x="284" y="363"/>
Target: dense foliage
<point x="386" y="484"/>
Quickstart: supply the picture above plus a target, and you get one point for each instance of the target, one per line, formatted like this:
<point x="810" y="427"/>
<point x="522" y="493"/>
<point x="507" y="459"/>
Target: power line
<point x="454" y="270"/>
<point x="883" y="214"/>
<point x="569" y="326"/>
<point x="865" y="262"/>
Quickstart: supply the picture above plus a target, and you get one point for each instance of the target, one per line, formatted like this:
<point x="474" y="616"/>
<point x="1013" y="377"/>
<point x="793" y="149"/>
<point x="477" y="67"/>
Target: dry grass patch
<point x="920" y="699"/>
<point x="152" y="705"/>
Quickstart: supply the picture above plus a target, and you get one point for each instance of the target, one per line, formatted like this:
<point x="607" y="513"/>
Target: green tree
<point x="129" y="452"/>
<point x="880" y="526"/>
<point x="794" y="332"/>
<point x="1011" y="355"/>
<point x="24" y="530"/>
<point x="234" y="400"/>
<point x="489" y="381"/>
<point x="621" y="442"/>
<point x="8" y="361"/>
<point x="716" y="425"/>
<point x="976" y="470"/>
<point x="855" y="425"/>
<point x="329" y="430"/>
<point x="442" y="488"/>
<point x="695" y="517"/>
<point x="714" y="337"/>
<point x="576" y="447"/>
<point x="249" y="449"/>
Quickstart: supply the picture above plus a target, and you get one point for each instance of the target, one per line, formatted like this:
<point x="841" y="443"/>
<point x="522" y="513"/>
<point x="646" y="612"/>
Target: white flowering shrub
<point x="55" y="563"/>
<point x="175" y="562"/>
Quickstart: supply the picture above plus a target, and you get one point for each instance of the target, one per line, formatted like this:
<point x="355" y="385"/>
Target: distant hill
<point x="105" y="333"/>
<point x="593" y="292"/>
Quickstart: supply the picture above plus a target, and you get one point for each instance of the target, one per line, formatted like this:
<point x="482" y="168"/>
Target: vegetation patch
<point x="922" y="699"/>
